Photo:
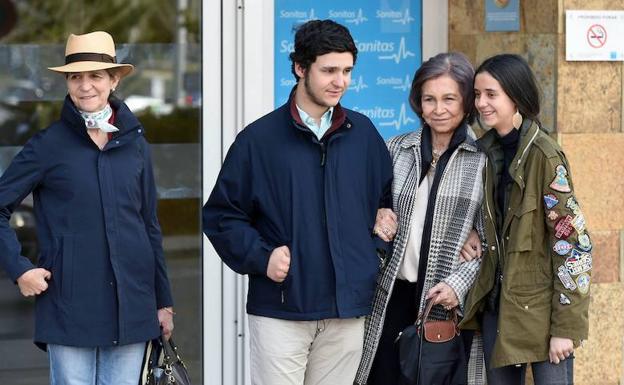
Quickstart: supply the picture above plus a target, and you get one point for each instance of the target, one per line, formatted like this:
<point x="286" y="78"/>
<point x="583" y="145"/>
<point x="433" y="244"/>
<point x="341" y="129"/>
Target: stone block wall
<point x="583" y="105"/>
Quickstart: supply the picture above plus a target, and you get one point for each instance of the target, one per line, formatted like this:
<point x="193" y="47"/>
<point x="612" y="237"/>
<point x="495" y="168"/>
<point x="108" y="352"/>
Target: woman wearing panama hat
<point x="100" y="283"/>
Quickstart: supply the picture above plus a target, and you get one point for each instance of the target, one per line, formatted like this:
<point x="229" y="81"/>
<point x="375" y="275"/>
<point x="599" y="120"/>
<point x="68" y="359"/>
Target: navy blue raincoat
<point x="97" y="229"/>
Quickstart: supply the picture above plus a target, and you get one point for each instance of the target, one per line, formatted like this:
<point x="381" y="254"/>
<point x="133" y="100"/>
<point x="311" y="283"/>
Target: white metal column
<point x="212" y="117"/>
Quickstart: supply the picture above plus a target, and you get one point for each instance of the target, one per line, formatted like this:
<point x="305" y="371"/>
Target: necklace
<point x="435" y="156"/>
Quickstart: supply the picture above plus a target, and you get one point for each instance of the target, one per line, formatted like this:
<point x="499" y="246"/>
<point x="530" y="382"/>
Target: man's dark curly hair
<point x="320" y="37"/>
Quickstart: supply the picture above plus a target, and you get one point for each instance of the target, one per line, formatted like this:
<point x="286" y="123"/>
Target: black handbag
<point x="431" y="352"/>
<point x="162" y="364"/>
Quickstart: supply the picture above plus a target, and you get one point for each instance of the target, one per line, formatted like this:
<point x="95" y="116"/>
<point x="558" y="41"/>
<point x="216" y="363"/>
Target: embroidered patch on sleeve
<point x="584" y="243"/>
<point x="579" y="223"/>
<point x="583" y="283"/>
<point x="564" y="228"/>
<point x="560" y="183"/>
<point x="563" y="299"/>
<point x="566" y="278"/>
<point x="578" y="262"/>
<point x="562" y="247"/>
<point x="552" y="215"/>
<point x="573" y="205"/>
<point x="550" y="200"/>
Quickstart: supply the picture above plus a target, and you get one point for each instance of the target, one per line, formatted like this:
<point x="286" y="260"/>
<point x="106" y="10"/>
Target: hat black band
<point x="87" y="56"/>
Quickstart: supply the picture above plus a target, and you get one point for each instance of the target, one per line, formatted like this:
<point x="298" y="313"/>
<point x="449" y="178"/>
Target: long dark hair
<point x="517" y="80"/>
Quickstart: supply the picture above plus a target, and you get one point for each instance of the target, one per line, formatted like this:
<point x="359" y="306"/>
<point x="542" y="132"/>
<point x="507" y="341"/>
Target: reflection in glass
<point x="161" y="40"/>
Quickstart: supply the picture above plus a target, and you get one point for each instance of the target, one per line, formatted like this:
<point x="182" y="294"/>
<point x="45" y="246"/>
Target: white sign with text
<point x="594" y="35"/>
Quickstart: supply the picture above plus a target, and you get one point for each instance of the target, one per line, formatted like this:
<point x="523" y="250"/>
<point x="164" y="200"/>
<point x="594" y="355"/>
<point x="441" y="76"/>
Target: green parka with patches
<point x="543" y="249"/>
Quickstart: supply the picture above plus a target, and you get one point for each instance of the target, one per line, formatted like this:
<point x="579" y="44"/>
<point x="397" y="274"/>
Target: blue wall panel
<point x="388" y="35"/>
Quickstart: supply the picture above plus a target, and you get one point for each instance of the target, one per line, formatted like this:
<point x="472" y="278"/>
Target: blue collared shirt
<point x="318" y="130"/>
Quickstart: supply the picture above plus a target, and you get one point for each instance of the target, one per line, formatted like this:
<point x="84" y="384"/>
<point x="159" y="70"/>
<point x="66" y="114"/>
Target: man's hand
<point x="560" y="349"/>
<point x="472" y="247"/>
<point x="165" y="319"/>
<point x="444" y="295"/>
<point x="279" y="264"/>
<point x="386" y="225"/>
<point x="34" y="282"/>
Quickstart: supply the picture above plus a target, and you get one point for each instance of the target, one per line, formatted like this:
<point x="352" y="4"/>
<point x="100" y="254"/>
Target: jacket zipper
<point x="487" y="206"/>
<point x="526" y="149"/>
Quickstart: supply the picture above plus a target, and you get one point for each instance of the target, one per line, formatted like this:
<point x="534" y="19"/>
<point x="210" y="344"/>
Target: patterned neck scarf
<point x="99" y="119"/>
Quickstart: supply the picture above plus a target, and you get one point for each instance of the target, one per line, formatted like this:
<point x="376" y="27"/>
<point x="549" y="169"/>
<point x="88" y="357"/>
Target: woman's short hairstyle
<point x="517" y="80"/>
<point x="320" y="37"/>
<point x="454" y="64"/>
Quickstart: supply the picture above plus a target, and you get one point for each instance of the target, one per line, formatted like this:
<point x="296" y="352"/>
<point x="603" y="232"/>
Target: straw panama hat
<point x="91" y="52"/>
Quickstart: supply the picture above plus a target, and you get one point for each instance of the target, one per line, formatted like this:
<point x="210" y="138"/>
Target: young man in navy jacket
<point x="294" y="208"/>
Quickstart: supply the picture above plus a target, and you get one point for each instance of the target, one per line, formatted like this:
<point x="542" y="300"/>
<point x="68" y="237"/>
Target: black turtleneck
<point x="509" y="144"/>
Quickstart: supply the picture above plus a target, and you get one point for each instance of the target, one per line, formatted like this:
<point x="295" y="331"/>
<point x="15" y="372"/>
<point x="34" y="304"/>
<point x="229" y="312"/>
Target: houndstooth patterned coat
<point x="456" y="212"/>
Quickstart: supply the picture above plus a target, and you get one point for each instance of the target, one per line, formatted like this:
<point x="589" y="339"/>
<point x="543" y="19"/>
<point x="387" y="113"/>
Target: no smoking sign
<point x="593" y="35"/>
<point x="596" y="36"/>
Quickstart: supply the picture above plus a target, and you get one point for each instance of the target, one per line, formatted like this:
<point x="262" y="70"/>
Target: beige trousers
<point x="325" y="352"/>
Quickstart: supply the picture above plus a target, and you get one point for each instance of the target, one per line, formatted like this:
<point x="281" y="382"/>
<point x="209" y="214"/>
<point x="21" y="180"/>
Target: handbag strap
<point x="170" y="350"/>
<point x="422" y="317"/>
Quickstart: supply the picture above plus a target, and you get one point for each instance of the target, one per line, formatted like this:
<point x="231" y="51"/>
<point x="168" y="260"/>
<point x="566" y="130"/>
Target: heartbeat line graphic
<point x="359" y="19"/>
<point x="403" y="53"/>
<point x="405" y="86"/>
<point x="311" y="16"/>
<point x="358" y="85"/>
<point x="401" y="121"/>
<point x="406" y="19"/>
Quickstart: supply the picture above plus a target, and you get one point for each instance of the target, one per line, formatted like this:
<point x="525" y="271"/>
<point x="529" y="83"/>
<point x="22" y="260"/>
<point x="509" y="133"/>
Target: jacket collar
<point x="124" y="118"/>
<point x="125" y="121"/>
<point x="528" y="133"/>
<point x="338" y="116"/>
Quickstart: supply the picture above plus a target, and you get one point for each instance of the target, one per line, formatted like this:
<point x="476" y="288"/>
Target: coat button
<point x="507" y="238"/>
<point x="493" y="248"/>
<point x="348" y="125"/>
<point x="115" y="342"/>
<point x="526" y="307"/>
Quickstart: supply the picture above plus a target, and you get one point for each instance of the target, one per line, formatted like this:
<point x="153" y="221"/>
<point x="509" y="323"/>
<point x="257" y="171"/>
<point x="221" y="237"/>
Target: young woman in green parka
<point x="531" y="297"/>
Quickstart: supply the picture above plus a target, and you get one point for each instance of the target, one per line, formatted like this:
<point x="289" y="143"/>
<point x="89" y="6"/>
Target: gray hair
<point x="457" y="66"/>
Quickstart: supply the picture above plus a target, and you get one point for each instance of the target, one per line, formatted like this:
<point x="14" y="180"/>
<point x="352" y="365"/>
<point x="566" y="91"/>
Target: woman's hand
<point x="444" y="295"/>
<point x="385" y="225"/>
<point x="560" y="349"/>
<point x="165" y="319"/>
<point x="33" y="281"/>
<point x="472" y="247"/>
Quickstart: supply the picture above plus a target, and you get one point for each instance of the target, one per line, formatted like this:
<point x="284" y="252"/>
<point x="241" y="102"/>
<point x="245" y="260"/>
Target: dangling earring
<point x="516" y="120"/>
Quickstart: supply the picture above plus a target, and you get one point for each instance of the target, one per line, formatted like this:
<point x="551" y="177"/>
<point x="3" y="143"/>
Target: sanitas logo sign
<point x="376" y="112"/>
<point x="286" y="46"/>
<point x="287" y="82"/>
<point x="400" y="121"/>
<point x="358" y="84"/>
<point x="401" y="54"/>
<point x="301" y="16"/>
<point x="401" y="17"/>
<point x="351" y="17"/>
<point x="375" y="46"/>
<point x="394" y="82"/>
